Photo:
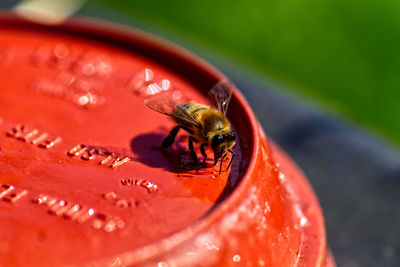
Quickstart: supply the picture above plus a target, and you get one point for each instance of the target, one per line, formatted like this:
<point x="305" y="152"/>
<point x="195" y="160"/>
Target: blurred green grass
<point x="344" y="53"/>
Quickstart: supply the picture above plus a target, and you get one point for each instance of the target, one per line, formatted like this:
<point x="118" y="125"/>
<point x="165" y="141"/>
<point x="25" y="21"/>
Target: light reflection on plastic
<point x="165" y="84"/>
<point x="158" y="87"/>
<point x="153" y="89"/>
<point x="148" y="75"/>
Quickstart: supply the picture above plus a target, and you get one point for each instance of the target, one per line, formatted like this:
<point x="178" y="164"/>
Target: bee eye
<point x="218" y="139"/>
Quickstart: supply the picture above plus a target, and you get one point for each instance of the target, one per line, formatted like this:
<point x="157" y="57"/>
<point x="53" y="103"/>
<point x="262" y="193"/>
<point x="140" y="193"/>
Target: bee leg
<point x="191" y="149"/>
<point x="169" y="140"/>
<point x="203" y="151"/>
<point x="233" y="156"/>
<point x="220" y="165"/>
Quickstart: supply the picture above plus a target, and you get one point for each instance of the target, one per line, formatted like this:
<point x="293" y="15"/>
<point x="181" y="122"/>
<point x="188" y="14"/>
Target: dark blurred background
<point x="323" y="78"/>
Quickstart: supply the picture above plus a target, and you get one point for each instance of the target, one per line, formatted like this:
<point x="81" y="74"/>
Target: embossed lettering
<point x="103" y="155"/>
<point x="151" y="187"/>
<point x="48" y="143"/>
<point x="11" y="193"/>
<point x="120" y="202"/>
<point x="79" y="214"/>
<point x="5" y="189"/>
<point x="115" y="160"/>
<point x="77" y="150"/>
<point x="33" y="136"/>
<point x="15" y="195"/>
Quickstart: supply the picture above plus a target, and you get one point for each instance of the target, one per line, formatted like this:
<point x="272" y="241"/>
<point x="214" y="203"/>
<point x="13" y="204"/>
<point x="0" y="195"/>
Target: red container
<point x="80" y="184"/>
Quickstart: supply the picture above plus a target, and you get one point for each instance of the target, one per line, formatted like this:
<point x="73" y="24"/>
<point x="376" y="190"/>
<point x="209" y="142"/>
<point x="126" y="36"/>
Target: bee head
<point x="221" y="143"/>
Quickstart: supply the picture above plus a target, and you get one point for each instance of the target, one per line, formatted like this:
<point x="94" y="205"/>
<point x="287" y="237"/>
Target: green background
<point x="343" y="53"/>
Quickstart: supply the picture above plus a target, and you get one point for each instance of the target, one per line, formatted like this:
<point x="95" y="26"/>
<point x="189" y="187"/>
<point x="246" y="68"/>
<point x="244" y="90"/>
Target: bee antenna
<point x="233" y="156"/>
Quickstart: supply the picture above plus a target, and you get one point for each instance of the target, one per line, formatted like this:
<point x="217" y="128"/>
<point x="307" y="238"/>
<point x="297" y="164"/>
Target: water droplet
<point x="97" y="224"/>
<point x="236" y="258"/>
<point x="302" y="218"/>
<point x="110" y="226"/>
<point x="176" y="94"/>
<point x="122" y="203"/>
<point x="88" y="100"/>
<point x="267" y="207"/>
<point x="75" y="208"/>
<point x="211" y="246"/>
<point x="88" y="69"/>
<point x="117" y="262"/>
<point x="281" y="177"/>
<point x="103" y="65"/>
<point x="110" y="195"/>
<point x="91" y="211"/>
<point x="83" y="100"/>
<point x="303" y="221"/>
<point x="66" y="78"/>
<point x="120" y="224"/>
<point x="162" y="264"/>
<point x="61" y="51"/>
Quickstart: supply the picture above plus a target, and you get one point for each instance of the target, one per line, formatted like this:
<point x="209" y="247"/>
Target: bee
<point x="206" y="125"/>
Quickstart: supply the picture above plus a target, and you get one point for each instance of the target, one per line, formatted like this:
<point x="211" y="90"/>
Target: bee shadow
<point x="146" y="151"/>
<point x="176" y="159"/>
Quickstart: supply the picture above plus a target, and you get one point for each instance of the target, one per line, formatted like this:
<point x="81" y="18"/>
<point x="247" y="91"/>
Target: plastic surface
<point x="81" y="185"/>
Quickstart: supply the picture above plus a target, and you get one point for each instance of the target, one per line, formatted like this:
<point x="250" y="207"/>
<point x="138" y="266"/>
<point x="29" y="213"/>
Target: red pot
<point x="81" y="185"/>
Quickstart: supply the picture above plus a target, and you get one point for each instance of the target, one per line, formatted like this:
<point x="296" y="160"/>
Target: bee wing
<point x="171" y="108"/>
<point x="220" y="95"/>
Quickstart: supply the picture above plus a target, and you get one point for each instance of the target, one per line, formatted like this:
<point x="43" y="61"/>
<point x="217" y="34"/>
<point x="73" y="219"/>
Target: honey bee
<point x="206" y="125"/>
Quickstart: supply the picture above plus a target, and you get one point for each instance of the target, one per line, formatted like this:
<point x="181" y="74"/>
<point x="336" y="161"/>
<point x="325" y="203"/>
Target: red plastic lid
<point x="79" y="180"/>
